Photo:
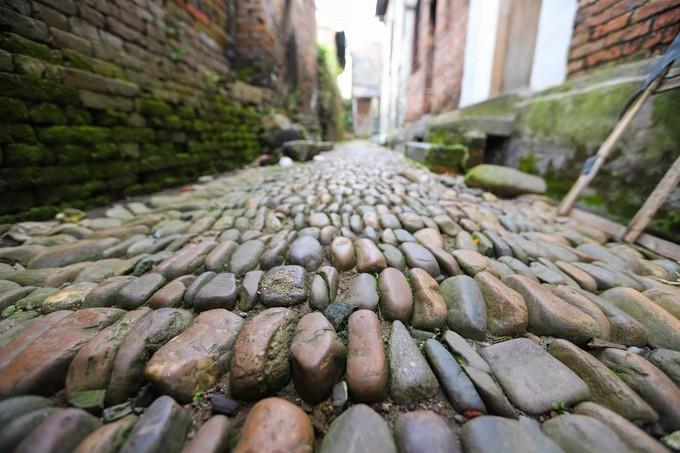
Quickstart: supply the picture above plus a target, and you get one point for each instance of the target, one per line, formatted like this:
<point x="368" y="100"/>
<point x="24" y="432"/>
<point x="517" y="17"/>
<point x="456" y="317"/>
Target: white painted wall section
<point x="555" y="26"/>
<point x="479" y="48"/>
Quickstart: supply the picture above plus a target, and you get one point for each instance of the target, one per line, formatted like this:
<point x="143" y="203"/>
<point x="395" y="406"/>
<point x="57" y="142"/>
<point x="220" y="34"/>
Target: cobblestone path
<point x="351" y="304"/>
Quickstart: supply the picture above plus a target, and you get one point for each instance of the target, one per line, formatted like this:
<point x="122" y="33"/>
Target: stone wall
<point x="277" y="48"/>
<point x="608" y="32"/>
<point x="102" y="99"/>
<point x="555" y="130"/>
<point x="449" y="54"/>
<point x="438" y="54"/>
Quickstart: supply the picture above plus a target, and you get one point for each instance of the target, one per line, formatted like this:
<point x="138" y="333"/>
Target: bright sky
<point x="357" y="19"/>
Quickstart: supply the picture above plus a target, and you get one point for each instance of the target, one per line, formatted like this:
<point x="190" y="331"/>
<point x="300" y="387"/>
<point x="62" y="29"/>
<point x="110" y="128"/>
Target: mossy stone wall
<point x="100" y="100"/>
<point x="554" y="131"/>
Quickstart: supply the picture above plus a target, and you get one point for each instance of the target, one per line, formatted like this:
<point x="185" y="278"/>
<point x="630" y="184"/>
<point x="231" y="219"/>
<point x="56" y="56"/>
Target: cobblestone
<point x="182" y="294"/>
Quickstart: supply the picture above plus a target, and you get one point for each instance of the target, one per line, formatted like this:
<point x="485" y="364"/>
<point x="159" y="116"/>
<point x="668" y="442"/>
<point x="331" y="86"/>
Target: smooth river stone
<point x="393" y="256"/>
<point x="218" y="259"/>
<point x="143" y="339"/>
<point x="662" y="327"/>
<point x="162" y="428"/>
<point x="396" y="300"/>
<point x="581" y="277"/>
<point x="342" y="253"/>
<point x="359" y="429"/>
<point x="275" y="256"/>
<point x="577" y="433"/>
<point x="363" y="292"/>
<point x="220" y="292"/>
<point x="369" y="257"/>
<point x="283" y="286"/>
<point x="634" y="437"/>
<point x="550" y="315"/>
<point x="411" y="378"/>
<point x="17" y="429"/>
<point x="425" y="431"/>
<point x="194" y="360"/>
<point x="505" y="308"/>
<point x="667" y="360"/>
<point x="246" y="257"/>
<point x="186" y="261"/>
<point x="666" y="299"/>
<point x="169" y="296"/>
<point x="69" y="298"/>
<point x="429" y="308"/>
<point x="490" y="392"/>
<point x="138" y="291"/>
<point x="429" y="237"/>
<point x="249" y="291"/>
<point x="63" y="255"/>
<point x="447" y="263"/>
<point x="108" y="438"/>
<point x="491" y="434"/>
<point x="27" y="336"/>
<point x="273" y="425"/>
<point x="418" y="256"/>
<point x="317" y="357"/>
<point x="59" y="432"/>
<point x="574" y="297"/>
<point x="657" y="389"/>
<point x="623" y="329"/>
<point x="260" y="363"/>
<point x="367" y="370"/>
<point x="41" y="367"/>
<point x="531" y="377"/>
<point x="470" y="261"/>
<point x="307" y="252"/>
<point x="457" y="386"/>
<point x="466" y="309"/>
<point x="102" y="350"/>
<point x="213" y="437"/>
<point x="606" y="387"/>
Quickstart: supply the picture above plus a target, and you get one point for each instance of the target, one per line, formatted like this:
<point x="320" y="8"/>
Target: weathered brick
<point x="23" y="25"/>
<point x="668" y="18"/>
<point x="654" y="8"/>
<point x="65" y="6"/>
<point x="603" y="56"/>
<point x="12" y="109"/>
<point x="612" y="25"/>
<point x="97" y="83"/>
<point x="104" y="101"/>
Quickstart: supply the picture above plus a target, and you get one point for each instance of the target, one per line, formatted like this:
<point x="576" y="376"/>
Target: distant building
<point x="366" y="75"/>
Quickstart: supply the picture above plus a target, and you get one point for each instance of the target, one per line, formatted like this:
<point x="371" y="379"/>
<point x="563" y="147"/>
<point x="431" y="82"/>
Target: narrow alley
<point x="325" y="282"/>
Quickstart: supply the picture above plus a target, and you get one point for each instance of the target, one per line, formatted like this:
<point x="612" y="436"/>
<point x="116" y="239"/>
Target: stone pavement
<point x="354" y="303"/>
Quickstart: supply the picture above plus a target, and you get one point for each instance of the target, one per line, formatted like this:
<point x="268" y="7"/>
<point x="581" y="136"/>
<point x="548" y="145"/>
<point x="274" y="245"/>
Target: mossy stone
<point x="19" y="44"/>
<point x="12" y="109"/>
<point x="47" y="113"/>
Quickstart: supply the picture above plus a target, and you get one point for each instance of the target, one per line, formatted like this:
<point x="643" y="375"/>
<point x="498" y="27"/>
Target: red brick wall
<point x="435" y="84"/>
<point x="278" y="39"/>
<point x="608" y="32"/>
<point x="449" y="52"/>
<point x="419" y="81"/>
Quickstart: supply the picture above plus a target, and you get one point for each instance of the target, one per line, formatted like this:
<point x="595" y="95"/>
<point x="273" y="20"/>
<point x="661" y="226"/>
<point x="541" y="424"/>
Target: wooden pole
<point x="607" y="147"/>
<point x="653" y="202"/>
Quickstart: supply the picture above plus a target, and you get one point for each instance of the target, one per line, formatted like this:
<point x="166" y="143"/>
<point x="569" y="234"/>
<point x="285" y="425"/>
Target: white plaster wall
<point x="396" y="63"/>
<point x="555" y="26"/>
<point x="479" y="48"/>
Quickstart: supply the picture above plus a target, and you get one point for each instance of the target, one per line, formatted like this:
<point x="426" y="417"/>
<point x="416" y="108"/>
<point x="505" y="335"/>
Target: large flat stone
<point x="194" y="360"/>
<point x="531" y="377"/>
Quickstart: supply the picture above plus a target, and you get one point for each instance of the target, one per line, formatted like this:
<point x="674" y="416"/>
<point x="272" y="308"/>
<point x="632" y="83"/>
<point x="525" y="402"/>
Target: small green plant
<point x="211" y="78"/>
<point x="179" y="52"/>
<point x="560" y="407"/>
<point x="197" y="396"/>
